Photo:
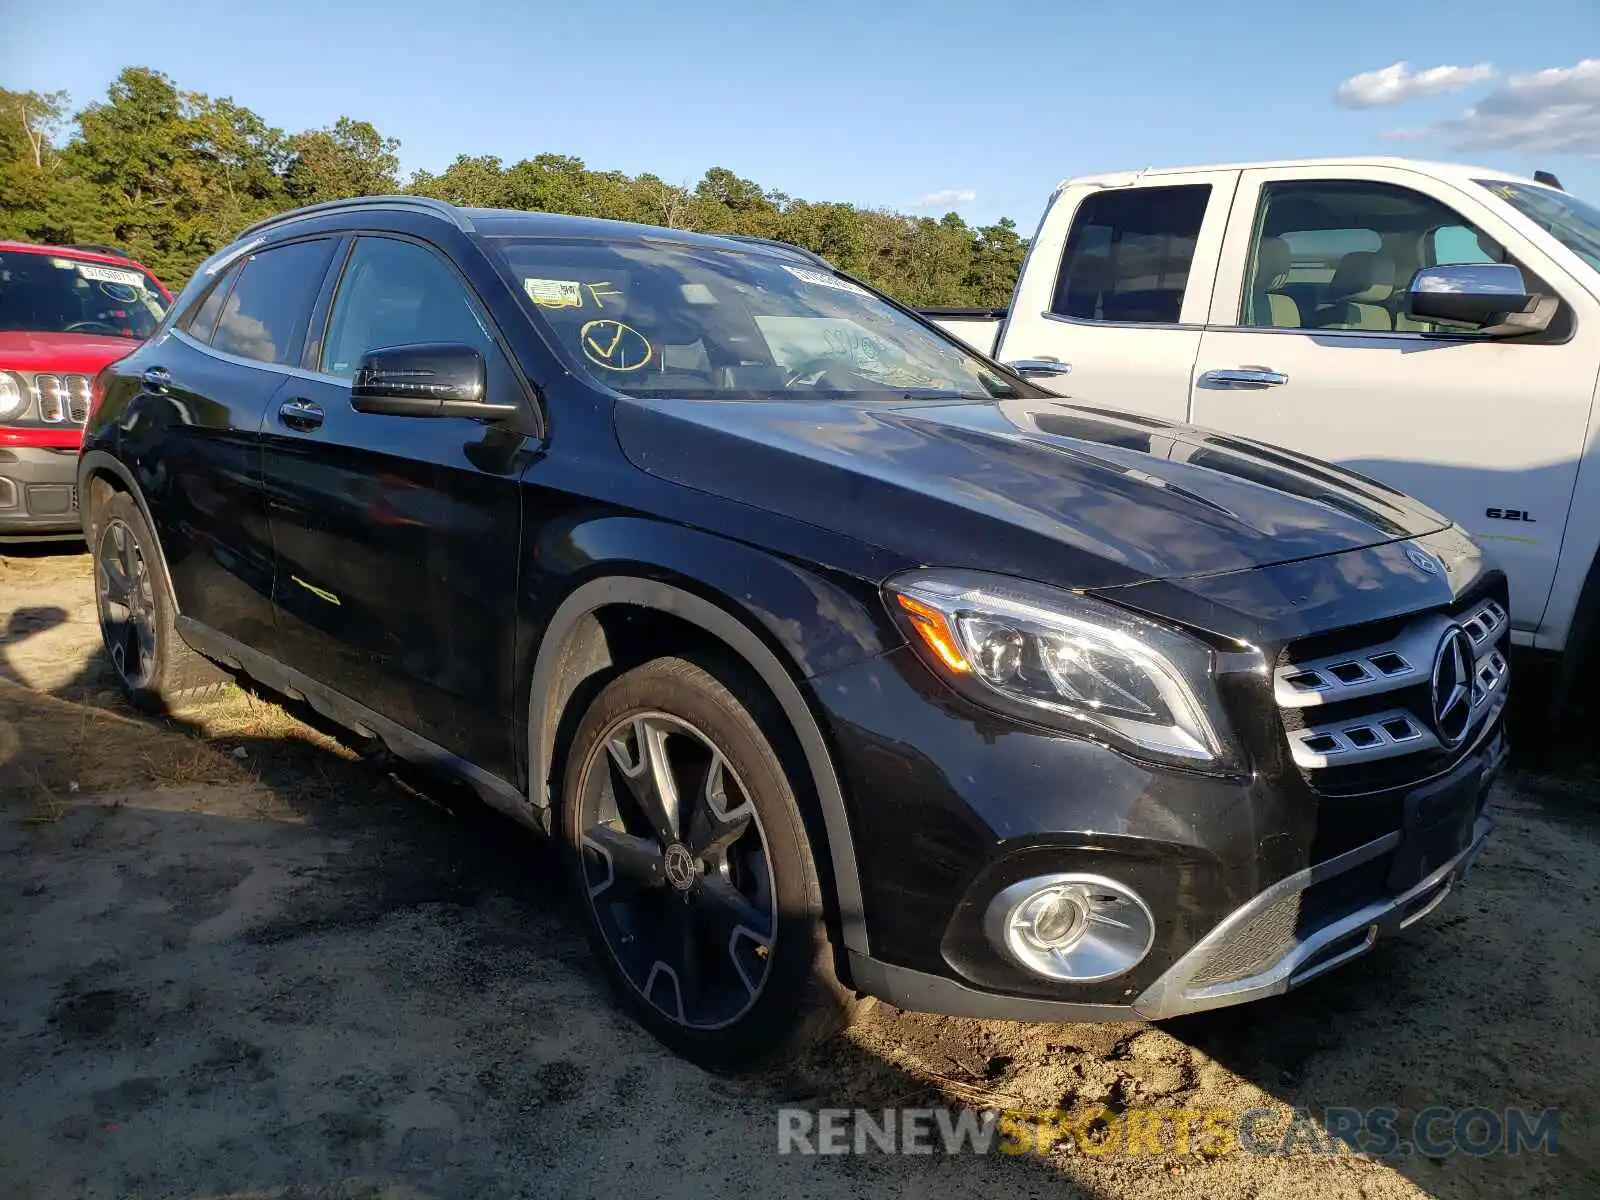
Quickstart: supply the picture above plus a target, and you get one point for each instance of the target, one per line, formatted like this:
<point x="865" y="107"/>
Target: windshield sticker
<point x="124" y="293"/>
<point x="697" y="293"/>
<point x="602" y="291"/>
<point x="614" y="346"/>
<point x="101" y="274"/>
<point x="823" y="279"/>
<point x="554" y="293"/>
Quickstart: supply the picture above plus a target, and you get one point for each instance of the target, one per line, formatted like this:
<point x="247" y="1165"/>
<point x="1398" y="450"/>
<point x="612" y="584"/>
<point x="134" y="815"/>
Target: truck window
<point x="1128" y="254"/>
<point x="1339" y="254"/>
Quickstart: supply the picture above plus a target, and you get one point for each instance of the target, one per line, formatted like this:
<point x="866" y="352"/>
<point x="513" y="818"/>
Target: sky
<point x="931" y="106"/>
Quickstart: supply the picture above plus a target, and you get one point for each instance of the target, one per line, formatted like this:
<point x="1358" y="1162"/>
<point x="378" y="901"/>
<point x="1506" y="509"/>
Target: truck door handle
<point x="1028" y="367"/>
<point x="1244" y="377"/>
<point x="157" y="380"/>
<point x="301" y="415"/>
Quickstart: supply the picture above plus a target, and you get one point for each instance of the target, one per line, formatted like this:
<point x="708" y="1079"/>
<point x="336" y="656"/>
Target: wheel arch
<point x="96" y="468"/>
<point x="576" y="649"/>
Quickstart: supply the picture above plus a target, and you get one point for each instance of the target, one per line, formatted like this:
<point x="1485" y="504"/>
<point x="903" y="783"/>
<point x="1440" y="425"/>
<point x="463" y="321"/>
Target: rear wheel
<point x="686" y="847"/>
<point x="157" y="670"/>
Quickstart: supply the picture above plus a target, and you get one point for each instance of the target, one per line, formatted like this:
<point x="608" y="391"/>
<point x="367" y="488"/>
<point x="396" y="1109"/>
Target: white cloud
<point x="1398" y="82"/>
<point x="1556" y="111"/>
<point x="946" y="197"/>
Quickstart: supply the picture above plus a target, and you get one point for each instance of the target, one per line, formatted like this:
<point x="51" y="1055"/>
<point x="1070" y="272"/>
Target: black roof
<point x="511" y="222"/>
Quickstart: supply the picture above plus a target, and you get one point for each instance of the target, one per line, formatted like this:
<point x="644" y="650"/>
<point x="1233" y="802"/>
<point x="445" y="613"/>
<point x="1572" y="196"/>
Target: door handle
<point x="301" y="415"/>
<point x="157" y="380"/>
<point x="1244" y="377"/>
<point x="1028" y="367"/>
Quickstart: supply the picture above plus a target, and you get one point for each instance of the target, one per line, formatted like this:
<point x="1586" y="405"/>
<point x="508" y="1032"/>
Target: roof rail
<point x="421" y="204"/>
<point x="808" y="255"/>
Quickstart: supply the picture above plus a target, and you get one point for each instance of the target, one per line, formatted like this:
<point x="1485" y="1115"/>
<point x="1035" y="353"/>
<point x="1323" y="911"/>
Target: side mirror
<point x="1491" y="297"/>
<point x="431" y="379"/>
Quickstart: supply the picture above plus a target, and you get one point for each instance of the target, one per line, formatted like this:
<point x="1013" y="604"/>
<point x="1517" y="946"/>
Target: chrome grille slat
<point x="1335" y="678"/>
<point x="1405" y="661"/>
<point x="59" y="398"/>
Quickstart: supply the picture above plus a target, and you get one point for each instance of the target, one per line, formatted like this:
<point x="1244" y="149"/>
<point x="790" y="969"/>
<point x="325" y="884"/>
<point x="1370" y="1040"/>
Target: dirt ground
<point x="239" y="960"/>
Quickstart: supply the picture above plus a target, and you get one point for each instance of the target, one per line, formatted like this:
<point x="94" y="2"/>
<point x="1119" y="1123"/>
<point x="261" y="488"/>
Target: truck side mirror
<point x="1490" y="297"/>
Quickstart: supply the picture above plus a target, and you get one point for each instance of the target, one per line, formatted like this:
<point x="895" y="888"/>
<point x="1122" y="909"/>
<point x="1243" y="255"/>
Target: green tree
<point x="173" y="175"/>
<point x="350" y="159"/>
<point x="31" y="184"/>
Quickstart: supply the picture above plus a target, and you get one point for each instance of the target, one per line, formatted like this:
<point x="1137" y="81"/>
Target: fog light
<point x="1078" y="928"/>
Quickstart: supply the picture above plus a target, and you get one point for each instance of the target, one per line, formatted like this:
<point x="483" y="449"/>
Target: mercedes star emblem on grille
<point x="1452" y="686"/>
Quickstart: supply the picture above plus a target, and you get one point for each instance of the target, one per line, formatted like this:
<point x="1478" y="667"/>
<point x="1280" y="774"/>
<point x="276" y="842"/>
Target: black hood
<point x="1034" y="487"/>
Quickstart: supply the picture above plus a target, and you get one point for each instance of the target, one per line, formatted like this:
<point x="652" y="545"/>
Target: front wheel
<point x="687" y="850"/>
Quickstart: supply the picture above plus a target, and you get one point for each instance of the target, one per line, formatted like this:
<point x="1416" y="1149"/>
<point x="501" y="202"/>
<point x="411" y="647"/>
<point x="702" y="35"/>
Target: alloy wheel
<point x="125" y="600"/>
<point x="677" y="870"/>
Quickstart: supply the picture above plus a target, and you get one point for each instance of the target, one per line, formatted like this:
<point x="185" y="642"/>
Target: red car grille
<point x="62" y="398"/>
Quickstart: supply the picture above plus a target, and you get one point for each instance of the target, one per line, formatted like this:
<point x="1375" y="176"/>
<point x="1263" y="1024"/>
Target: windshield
<point x="43" y="293"/>
<point x="649" y="318"/>
<point x="1573" y="223"/>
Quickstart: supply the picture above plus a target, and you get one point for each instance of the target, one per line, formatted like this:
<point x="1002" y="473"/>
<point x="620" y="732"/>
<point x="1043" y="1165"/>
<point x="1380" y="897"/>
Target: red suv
<point x="65" y="312"/>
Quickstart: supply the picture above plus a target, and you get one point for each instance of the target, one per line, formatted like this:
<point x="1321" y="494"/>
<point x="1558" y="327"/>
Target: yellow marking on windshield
<point x="626" y="350"/>
<point x="597" y="293"/>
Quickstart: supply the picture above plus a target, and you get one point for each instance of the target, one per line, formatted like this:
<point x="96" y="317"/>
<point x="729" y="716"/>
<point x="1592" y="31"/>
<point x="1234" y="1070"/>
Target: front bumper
<point x="38" y="493"/>
<point x="1175" y="993"/>
<point x="1257" y="886"/>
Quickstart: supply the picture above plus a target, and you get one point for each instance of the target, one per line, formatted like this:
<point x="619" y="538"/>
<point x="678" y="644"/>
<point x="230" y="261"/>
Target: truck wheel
<point x="689" y="857"/>
<point x="157" y="670"/>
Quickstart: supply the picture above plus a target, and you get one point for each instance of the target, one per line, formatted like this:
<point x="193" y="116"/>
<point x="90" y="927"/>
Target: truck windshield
<point x="1575" y="224"/>
<point x="652" y="317"/>
<point x="46" y="293"/>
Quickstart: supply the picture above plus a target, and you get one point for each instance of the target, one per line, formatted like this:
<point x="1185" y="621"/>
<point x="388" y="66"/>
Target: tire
<point x="728" y="883"/>
<point x="157" y="670"/>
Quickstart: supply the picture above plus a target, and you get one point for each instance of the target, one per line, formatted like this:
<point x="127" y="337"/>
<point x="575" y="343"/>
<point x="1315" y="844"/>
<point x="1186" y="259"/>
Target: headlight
<point x="1062" y="659"/>
<point x="12" y="396"/>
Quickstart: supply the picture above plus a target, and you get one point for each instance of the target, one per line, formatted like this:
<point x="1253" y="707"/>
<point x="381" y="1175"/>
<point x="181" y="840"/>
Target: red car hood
<point x="74" y="353"/>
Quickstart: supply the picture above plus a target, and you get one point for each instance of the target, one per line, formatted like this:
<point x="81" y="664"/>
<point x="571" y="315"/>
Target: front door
<point x="193" y="437"/>
<point x="1117" y="287"/>
<point x="396" y="536"/>
<point x="1310" y="305"/>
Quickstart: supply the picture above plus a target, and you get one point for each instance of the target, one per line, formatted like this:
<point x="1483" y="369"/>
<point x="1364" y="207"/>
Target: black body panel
<point x="415" y="578"/>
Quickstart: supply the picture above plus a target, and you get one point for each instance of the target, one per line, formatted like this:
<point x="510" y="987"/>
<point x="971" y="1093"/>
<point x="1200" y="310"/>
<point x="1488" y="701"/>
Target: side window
<point x="1339" y="254"/>
<point x="1461" y="244"/>
<point x="1128" y="254"/>
<point x="396" y="293"/>
<point x="264" y="316"/>
<point x="201" y="320"/>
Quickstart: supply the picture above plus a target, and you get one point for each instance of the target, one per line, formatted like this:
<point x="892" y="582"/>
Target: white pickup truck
<point x="1435" y="327"/>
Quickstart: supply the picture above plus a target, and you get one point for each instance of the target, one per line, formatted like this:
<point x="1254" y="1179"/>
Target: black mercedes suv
<point x="839" y="661"/>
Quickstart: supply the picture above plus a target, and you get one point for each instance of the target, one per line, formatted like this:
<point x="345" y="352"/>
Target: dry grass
<point x="51" y="749"/>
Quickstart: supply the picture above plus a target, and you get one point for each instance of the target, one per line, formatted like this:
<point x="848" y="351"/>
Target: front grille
<point x="1271" y="933"/>
<point x="61" y="398"/>
<point x="1358" y="708"/>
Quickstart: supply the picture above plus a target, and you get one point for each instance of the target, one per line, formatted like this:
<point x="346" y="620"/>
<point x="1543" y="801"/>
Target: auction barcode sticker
<point x="823" y="279"/>
<point x="110" y="275"/>
<point x="554" y="293"/>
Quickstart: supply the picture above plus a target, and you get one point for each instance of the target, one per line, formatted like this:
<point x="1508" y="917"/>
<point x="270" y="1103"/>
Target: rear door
<point x="1116" y="289"/>
<point x="1310" y="303"/>
<point x="192" y="433"/>
<point x="397" y="536"/>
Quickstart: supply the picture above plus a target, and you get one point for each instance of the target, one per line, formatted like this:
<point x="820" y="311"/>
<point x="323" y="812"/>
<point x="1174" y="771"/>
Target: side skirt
<point x="361" y="720"/>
